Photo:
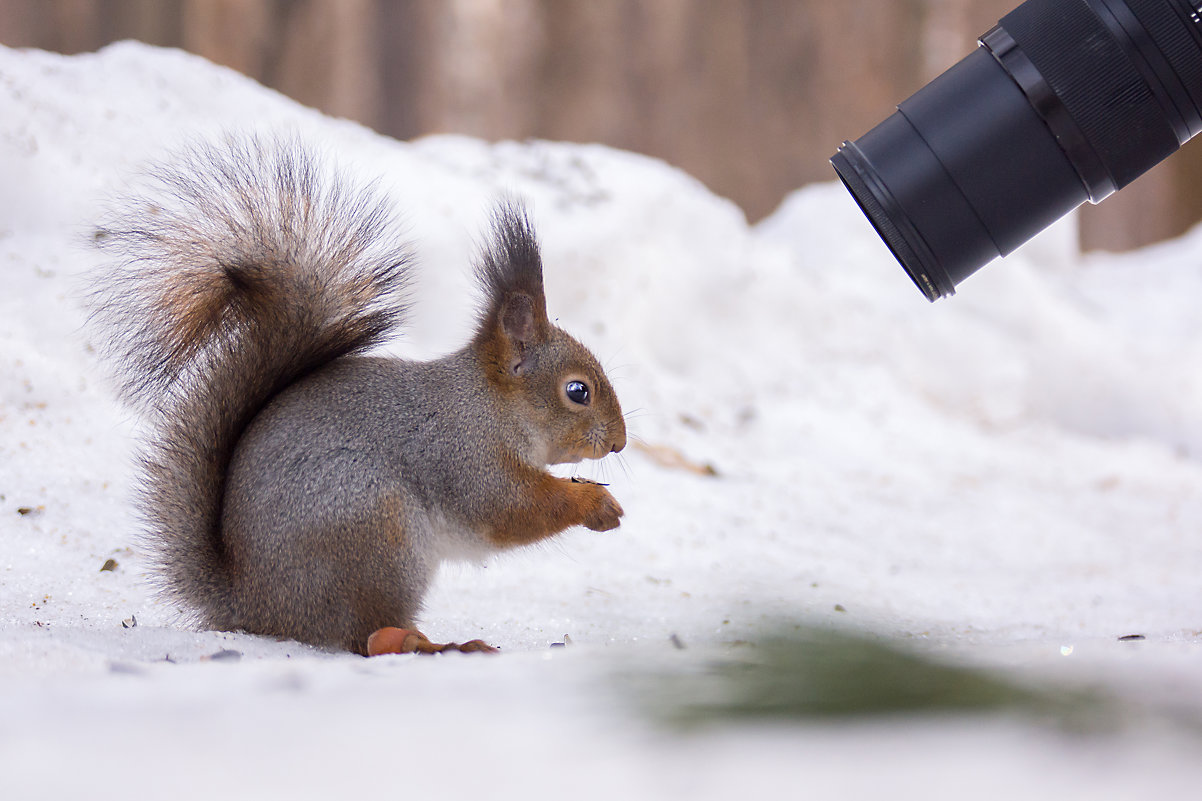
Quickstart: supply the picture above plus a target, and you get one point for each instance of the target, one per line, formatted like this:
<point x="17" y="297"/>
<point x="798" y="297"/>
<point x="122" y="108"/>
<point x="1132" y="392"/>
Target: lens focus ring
<point x="1174" y="31"/>
<point x="1101" y="89"/>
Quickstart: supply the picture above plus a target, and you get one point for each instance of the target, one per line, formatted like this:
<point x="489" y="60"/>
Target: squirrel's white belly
<point x="454" y="542"/>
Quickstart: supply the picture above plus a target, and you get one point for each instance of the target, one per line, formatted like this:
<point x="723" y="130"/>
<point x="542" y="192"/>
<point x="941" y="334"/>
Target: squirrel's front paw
<point x="604" y="511"/>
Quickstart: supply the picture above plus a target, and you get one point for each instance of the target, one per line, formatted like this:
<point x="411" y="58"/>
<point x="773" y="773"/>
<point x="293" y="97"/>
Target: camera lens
<point x="1065" y="101"/>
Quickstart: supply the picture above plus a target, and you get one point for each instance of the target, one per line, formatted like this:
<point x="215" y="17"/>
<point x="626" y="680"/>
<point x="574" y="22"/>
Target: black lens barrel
<point x="1121" y="128"/>
<point x="1066" y="101"/>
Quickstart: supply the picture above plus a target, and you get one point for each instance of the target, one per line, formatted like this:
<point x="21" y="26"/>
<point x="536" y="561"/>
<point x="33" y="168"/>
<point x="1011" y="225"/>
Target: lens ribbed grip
<point x="1168" y="28"/>
<point x="1101" y="89"/>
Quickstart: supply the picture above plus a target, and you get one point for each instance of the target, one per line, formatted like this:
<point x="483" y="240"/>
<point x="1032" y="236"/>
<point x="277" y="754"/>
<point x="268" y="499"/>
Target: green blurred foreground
<point x="812" y="673"/>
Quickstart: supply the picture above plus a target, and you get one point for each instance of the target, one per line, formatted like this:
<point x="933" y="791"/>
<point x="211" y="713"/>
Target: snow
<point x="1011" y="477"/>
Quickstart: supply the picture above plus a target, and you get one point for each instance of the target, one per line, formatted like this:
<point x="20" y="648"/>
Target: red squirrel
<point x="292" y="486"/>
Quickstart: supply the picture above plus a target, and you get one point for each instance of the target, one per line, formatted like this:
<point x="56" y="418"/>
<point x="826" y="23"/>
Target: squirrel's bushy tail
<point x="242" y="266"/>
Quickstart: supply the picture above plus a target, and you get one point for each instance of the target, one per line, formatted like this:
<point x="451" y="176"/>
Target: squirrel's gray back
<point x="364" y="428"/>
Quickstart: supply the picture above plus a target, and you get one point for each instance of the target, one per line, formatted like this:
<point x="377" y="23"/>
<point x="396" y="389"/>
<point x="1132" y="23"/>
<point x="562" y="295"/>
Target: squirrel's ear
<point x="511" y="273"/>
<point x="521" y="330"/>
<point x="518" y="318"/>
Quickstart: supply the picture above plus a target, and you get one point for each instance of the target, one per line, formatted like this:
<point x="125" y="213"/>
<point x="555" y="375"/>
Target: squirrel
<point x="292" y="485"/>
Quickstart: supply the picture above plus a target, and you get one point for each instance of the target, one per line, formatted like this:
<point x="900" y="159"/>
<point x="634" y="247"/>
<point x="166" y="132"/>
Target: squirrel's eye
<point x="577" y="392"/>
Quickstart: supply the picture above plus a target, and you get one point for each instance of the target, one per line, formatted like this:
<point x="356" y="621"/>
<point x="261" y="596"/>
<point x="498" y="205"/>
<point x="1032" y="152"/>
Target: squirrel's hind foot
<point x="393" y="640"/>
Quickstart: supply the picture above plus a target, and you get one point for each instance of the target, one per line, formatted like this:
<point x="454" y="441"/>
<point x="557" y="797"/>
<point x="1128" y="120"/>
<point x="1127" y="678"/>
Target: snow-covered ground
<point x="1009" y="478"/>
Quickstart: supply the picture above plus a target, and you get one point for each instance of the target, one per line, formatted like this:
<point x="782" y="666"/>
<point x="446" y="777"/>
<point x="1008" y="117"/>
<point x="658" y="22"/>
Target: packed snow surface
<point x="1011" y="478"/>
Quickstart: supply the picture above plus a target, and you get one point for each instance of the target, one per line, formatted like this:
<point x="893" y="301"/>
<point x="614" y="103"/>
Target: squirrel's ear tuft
<point x="510" y="271"/>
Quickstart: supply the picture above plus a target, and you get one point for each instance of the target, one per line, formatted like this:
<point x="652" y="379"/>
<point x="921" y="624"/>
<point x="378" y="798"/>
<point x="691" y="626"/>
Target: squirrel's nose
<point x="619" y="441"/>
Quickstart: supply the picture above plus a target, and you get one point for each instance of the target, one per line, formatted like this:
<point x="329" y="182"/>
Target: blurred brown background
<point x="750" y="96"/>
